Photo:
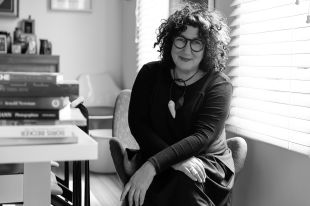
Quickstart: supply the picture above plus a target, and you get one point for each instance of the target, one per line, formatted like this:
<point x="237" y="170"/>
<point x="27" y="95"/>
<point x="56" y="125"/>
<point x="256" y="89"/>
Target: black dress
<point x="197" y="130"/>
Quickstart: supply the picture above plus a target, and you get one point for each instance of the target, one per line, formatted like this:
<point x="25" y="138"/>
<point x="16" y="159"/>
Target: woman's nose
<point x="187" y="48"/>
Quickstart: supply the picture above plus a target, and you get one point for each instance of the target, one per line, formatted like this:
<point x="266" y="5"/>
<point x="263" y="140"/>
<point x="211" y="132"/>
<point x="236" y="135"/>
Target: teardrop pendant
<point x="171" y="106"/>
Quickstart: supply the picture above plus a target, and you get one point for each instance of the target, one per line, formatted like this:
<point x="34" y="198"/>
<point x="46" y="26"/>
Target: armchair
<point x="122" y="136"/>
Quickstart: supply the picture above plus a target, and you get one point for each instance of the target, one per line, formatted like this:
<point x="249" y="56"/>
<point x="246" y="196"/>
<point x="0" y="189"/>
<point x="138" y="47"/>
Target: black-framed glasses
<point x="196" y="44"/>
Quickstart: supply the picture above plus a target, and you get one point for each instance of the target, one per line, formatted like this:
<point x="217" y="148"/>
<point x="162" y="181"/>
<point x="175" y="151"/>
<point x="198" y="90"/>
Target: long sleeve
<point x="207" y="126"/>
<point x="139" y="111"/>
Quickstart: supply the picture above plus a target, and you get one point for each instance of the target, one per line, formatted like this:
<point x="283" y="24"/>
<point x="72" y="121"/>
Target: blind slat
<point x="272" y="72"/>
<point x="296" y="47"/>
<point x="285" y="110"/>
<point x="244" y="94"/>
<point x="294" y="22"/>
<point x="290" y="123"/>
<point x="296" y="60"/>
<point x="296" y="86"/>
<point x="272" y="131"/>
<point x="254" y="6"/>
<point x="271" y="14"/>
<point x="299" y="34"/>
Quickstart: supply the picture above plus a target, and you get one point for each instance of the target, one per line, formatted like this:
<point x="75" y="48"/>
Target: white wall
<point x="85" y="42"/>
<point x="272" y="176"/>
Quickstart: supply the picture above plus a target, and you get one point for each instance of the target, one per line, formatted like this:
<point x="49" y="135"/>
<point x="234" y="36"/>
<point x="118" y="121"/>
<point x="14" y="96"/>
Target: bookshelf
<point x="29" y="63"/>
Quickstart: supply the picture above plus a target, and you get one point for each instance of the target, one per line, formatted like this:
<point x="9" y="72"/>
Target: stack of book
<point x="36" y="100"/>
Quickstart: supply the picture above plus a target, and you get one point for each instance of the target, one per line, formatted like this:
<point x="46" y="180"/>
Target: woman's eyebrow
<point x="196" y="38"/>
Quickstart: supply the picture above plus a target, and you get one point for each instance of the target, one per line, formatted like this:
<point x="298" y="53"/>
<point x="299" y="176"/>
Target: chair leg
<point x="87" y="185"/>
<point x="77" y="183"/>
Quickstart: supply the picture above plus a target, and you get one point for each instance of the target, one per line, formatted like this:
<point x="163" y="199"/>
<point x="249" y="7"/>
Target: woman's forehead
<point x="190" y="32"/>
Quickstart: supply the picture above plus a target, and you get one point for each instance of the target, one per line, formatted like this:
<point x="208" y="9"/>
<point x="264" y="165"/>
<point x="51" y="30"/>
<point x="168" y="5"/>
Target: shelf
<point x="29" y="63"/>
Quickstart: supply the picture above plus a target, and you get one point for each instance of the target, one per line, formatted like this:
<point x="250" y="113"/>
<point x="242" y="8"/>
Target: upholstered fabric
<point x="120" y="128"/>
<point x="239" y="149"/>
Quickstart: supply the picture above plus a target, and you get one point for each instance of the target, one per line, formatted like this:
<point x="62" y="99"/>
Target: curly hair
<point x="213" y="30"/>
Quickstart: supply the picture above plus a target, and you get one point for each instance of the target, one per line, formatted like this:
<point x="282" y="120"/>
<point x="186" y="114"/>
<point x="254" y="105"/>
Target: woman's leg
<point x="175" y="188"/>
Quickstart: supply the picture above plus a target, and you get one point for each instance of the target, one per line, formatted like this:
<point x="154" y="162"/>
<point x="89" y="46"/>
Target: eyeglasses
<point x="196" y="44"/>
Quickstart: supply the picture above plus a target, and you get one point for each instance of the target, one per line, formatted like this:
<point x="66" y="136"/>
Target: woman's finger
<point x="200" y="170"/>
<point x="190" y="175"/>
<point x="137" y="197"/>
<point x="202" y="166"/>
<point x="125" y="191"/>
<point x="130" y="195"/>
<point x="142" y="196"/>
<point x="195" y="170"/>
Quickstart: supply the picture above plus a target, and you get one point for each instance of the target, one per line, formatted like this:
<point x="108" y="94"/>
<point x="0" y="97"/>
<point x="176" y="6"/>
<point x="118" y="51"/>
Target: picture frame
<point x="71" y="5"/>
<point x="9" y="8"/>
<point x="30" y="43"/>
<point x="28" y="26"/>
<point x="3" y="44"/>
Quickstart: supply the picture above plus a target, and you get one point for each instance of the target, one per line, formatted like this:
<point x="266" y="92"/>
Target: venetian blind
<point x="149" y="14"/>
<point x="269" y="68"/>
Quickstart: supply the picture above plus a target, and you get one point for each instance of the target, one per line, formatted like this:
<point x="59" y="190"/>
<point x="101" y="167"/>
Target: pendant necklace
<point x="171" y="104"/>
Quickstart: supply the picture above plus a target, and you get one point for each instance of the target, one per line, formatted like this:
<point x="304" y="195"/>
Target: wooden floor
<point x="105" y="190"/>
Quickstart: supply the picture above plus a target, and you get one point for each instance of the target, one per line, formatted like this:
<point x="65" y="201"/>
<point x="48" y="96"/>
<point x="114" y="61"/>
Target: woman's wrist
<point x="150" y="167"/>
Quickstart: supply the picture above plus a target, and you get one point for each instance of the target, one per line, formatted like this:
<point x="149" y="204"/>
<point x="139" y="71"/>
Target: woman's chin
<point x="186" y="67"/>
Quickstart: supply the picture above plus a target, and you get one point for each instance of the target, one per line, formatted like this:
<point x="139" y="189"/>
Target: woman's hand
<point x="193" y="168"/>
<point x="138" y="184"/>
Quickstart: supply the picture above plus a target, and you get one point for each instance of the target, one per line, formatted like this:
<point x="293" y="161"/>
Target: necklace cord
<point x="180" y="100"/>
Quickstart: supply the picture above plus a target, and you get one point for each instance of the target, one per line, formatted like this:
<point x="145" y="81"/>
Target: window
<point x="149" y="14"/>
<point x="269" y="68"/>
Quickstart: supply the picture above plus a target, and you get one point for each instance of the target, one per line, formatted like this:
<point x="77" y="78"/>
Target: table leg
<point x="37" y="180"/>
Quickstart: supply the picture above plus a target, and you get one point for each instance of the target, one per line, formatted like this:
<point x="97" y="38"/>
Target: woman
<point x="177" y="112"/>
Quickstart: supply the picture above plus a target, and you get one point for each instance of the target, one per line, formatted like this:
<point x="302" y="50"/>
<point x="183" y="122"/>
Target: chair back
<point x="98" y="89"/>
<point x="239" y="148"/>
<point x="120" y="127"/>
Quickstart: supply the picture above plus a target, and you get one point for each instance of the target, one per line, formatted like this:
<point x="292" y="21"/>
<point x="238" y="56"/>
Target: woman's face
<point x="187" y="59"/>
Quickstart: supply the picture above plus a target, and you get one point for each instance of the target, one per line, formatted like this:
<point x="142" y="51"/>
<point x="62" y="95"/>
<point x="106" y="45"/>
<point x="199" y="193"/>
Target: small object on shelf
<point x="17" y="35"/>
<point x="31" y="40"/>
<point x="28" y="26"/>
<point x="16" y="48"/>
<point x="3" y="44"/>
<point x="45" y="47"/>
<point x="8" y="41"/>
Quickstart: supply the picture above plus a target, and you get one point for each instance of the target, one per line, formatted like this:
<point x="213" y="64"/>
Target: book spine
<point x="39" y="141"/>
<point x="29" y="114"/>
<point x="36" y="132"/>
<point x="19" y="122"/>
<point x="29" y="77"/>
<point x="33" y="89"/>
<point x="33" y="103"/>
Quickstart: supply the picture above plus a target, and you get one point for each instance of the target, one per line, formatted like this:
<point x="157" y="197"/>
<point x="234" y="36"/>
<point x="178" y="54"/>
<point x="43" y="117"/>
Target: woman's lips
<point x="184" y="59"/>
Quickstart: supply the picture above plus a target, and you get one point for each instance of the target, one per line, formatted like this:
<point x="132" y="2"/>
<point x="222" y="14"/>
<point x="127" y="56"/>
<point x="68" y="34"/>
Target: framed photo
<point x="3" y="44"/>
<point x="30" y="43"/>
<point x="72" y="5"/>
<point x="28" y="26"/>
<point x="9" y="8"/>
